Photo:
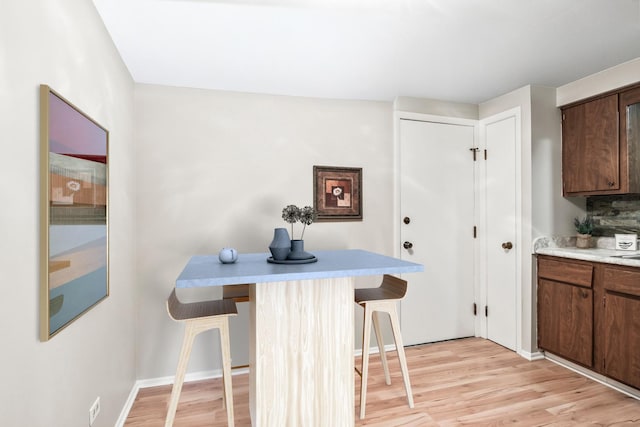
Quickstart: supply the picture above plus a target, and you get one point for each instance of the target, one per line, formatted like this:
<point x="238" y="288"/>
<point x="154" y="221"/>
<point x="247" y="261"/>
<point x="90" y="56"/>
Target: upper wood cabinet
<point x="600" y="145"/>
<point x="590" y="147"/>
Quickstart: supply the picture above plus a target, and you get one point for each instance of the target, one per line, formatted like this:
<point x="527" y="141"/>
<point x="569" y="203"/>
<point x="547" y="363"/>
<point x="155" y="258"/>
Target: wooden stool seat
<point x="199" y="317"/>
<point x="374" y="300"/>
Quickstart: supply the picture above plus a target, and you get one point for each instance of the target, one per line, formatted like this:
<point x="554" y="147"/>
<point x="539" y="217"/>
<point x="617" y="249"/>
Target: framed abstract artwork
<point x="73" y="217"/>
<point x="337" y="193"/>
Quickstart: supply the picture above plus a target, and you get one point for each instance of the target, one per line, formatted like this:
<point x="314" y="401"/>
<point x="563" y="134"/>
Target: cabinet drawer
<point x="568" y="272"/>
<point x="623" y="281"/>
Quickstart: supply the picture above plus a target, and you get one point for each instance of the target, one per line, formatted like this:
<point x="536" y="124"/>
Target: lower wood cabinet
<point x="621" y="326"/>
<point x="589" y="313"/>
<point x="565" y="310"/>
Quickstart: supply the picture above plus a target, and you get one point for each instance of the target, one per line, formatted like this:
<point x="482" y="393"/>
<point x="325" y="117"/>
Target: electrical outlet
<point x="94" y="411"/>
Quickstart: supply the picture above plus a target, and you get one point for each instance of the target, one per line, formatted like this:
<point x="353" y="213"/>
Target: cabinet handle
<point x="611" y="183"/>
<point x="407" y="245"/>
<point x="507" y="245"/>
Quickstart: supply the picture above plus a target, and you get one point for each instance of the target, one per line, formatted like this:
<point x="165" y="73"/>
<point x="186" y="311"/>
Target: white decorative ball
<point x="228" y="255"/>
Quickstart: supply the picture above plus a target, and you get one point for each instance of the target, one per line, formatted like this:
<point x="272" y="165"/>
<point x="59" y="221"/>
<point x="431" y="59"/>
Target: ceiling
<point x="455" y="50"/>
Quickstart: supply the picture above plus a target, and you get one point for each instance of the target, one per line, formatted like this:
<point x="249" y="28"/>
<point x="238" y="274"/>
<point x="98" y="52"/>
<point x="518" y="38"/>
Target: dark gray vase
<point x="297" y="251"/>
<point x="280" y="245"/>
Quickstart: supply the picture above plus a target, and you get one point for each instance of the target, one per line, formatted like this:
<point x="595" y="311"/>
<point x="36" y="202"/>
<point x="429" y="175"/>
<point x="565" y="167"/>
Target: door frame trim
<point x="525" y="316"/>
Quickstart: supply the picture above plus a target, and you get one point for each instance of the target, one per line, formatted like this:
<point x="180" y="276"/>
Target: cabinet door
<point x="622" y="339"/>
<point x="565" y="321"/>
<point x="630" y="137"/>
<point x="622" y="324"/>
<point x="590" y="147"/>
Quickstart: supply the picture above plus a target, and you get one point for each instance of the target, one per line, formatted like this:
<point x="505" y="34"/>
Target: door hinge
<point x="485" y="154"/>
<point x="486" y="311"/>
<point x="604" y="301"/>
<point x="475" y="231"/>
<point x="475" y="309"/>
<point x="474" y="151"/>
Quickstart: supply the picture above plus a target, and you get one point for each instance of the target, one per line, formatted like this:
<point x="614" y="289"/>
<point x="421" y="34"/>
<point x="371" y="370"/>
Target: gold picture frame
<point x="337" y="193"/>
<point x="74" y="273"/>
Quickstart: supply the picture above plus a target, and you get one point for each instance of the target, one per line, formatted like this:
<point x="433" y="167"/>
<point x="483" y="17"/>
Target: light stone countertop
<point x="602" y="250"/>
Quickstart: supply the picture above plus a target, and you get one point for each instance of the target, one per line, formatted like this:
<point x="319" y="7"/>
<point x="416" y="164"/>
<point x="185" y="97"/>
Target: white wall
<point x="552" y="214"/>
<point x="62" y="44"/>
<point x="216" y="168"/>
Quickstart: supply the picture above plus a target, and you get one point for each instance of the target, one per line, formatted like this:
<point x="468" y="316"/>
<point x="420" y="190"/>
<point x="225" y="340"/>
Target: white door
<point x="501" y="136"/>
<point x="437" y="215"/>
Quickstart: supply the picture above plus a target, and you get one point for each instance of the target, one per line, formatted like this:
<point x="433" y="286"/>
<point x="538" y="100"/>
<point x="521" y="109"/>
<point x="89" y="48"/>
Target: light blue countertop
<point x="207" y="270"/>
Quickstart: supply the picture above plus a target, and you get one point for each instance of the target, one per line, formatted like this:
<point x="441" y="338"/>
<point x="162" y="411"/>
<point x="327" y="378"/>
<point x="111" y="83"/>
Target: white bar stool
<point x="199" y="317"/>
<point x="374" y="300"/>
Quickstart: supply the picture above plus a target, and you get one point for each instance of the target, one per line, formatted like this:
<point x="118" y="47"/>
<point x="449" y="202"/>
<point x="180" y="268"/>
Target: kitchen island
<point x="302" y="329"/>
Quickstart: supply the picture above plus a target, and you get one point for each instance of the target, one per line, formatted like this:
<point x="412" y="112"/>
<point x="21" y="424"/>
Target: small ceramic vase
<point x="280" y="245"/>
<point x="297" y="251"/>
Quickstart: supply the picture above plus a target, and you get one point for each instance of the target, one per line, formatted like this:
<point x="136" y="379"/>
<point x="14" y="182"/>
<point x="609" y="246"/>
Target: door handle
<point x="407" y="245"/>
<point x="507" y="245"/>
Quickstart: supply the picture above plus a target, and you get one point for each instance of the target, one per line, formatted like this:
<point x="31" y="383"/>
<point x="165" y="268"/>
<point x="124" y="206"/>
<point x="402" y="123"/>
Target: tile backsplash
<point x="614" y="214"/>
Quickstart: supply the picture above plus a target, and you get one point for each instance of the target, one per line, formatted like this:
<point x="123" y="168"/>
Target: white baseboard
<point x="154" y="382"/>
<point x="374" y="350"/>
<point x="198" y="376"/>
<point x="127" y="406"/>
<point x="538" y="355"/>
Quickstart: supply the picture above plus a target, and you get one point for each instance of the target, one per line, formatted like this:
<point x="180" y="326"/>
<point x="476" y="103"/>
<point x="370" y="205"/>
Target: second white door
<point x="501" y="138"/>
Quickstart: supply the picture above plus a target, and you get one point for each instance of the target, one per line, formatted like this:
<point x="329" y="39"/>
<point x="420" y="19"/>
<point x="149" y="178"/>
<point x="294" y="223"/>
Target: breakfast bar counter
<point x="302" y="328"/>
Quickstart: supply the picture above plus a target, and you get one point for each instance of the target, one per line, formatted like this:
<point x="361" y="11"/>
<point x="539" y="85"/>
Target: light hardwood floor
<point x="463" y="382"/>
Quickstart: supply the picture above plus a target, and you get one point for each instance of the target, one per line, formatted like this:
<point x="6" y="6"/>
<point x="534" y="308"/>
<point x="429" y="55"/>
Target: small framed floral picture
<point x="337" y="193"/>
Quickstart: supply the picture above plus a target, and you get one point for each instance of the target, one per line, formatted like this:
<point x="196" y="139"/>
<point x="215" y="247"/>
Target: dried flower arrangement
<point x="292" y="214"/>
